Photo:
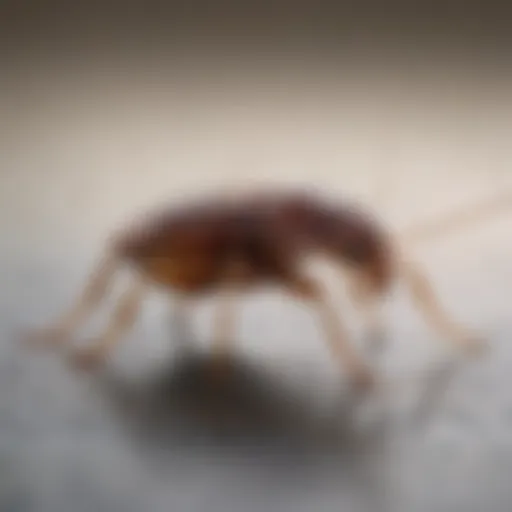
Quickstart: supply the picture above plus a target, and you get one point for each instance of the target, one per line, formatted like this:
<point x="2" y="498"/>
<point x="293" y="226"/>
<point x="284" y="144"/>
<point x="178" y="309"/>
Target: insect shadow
<point x="248" y="411"/>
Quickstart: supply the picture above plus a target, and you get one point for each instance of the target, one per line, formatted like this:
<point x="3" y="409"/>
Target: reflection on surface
<point x="252" y="425"/>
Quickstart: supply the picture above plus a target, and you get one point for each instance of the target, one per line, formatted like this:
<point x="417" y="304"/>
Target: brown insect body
<point x="254" y="240"/>
<point x="258" y="239"/>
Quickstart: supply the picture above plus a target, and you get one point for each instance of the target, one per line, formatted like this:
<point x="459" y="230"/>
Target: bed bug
<point x="228" y="247"/>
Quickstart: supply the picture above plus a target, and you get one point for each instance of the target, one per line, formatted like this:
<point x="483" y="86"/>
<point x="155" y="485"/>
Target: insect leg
<point x="224" y="325"/>
<point x="334" y="331"/>
<point x="94" y="291"/>
<point x="369" y="302"/>
<point x="426" y="300"/>
<point x="180" y="321"/>
<point x="121" y="321"/>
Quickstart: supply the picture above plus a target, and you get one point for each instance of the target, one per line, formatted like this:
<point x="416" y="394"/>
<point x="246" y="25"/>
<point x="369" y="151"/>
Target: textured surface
<point x="84" y="152"/>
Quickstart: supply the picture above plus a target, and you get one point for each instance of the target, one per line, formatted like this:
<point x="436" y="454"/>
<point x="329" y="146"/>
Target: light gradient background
<point x="107" y="110"/>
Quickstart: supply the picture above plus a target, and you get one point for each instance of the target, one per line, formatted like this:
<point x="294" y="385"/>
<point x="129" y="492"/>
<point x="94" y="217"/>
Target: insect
<point x="228" y="247"/>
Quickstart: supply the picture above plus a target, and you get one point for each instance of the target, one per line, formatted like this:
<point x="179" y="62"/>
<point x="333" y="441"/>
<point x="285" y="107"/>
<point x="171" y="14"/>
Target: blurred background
<point x="109" y="108"/>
